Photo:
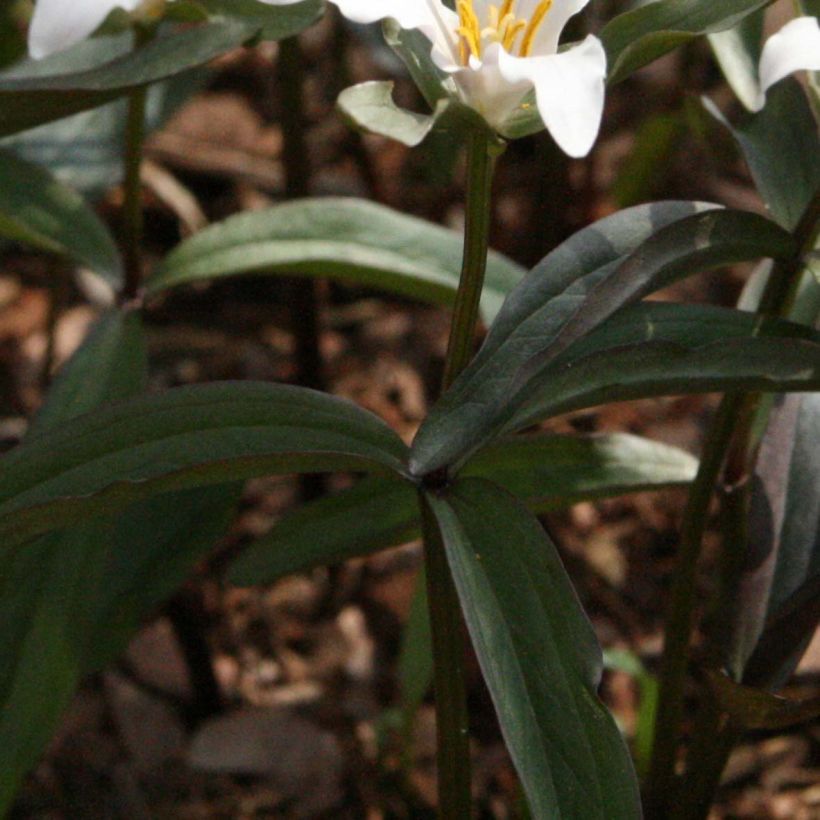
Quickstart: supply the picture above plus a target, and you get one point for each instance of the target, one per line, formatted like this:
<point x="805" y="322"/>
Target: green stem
<point x="480" y="164"/>
<point x="452" y="719"/>
<point x="132" y="218"/>
<point x="683" y="598"/>
<point x="729" y="441"/>
<point x="453" y="753"/>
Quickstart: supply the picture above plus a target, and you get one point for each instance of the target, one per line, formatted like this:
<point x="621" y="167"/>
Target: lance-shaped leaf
<point x="187" y="437"/>
<point x="275" y="22"/>
<point x="538" y="654"/>
<point x="37" y="210"/>
<point x="29" y="96"/>
<point x="782" y="554"/>
<point x="346" y="239"/>
<point x="47" y="591"/>
<point x="675" y="360"/>
<point x="750" y="708"/>
<point x="637" y="37"/>
<point x="737" y="50"/>
<point x="788" y="632"/>
<point x="573" y="291"/>
<point x="775" y="143"/>
<point x="546" y="471"/>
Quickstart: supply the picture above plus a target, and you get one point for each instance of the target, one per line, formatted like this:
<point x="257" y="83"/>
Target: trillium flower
<point x="796" y="47"/>
<point x="498" y="52"/>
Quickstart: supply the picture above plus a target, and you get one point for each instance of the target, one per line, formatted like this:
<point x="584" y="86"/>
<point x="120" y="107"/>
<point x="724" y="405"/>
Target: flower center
<point x="502" y="26"/>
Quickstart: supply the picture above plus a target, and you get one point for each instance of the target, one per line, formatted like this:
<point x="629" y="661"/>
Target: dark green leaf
<point x="154" y="547"/>
<point x="546" y="471"/>
<point x="750" y="708"/>
<point x="47" y="590"/>
<point x="347" y="239"/>
<point x="786" y="636"/>
<point x="638" y="37"/>
<point x="776" y="143"/>
<point x="573" y="291"/>
<point x="37" y="210"/>
<point x="185" y="438"/>
<point x="275" y="22"/>
<point x="738" y="52"/>
<point x="679" y="354"/>
<point x="538" y="654"/>
<point x="28" y="101"/>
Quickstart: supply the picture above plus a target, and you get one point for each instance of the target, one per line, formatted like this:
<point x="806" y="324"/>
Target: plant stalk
<point x="729" y="442"/>
<point x="480" y="166"/>
<point x="132" y="216"/>
<point x="452" y="718"/>
<point x="680" y="616"/>
<point x="453" y="748"/>
<point x="303" y="293"/>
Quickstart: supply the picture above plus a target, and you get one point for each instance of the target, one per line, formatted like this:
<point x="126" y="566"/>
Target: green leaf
<point x="573" y="291"/>
<point x="776" y="143"/>
<point x="637" y="37"/>
<point x="47" y="590"/>
<point x="546" y="471"/>
<point x="785" y="638"/>
<point x="675" y="353"/>
<point x="374" y="514"/>
<point x="783" y="550"/>
<point x="110" y="365"/>
<point x="275" y="22"/>
<point x="538" y="654"/>
<point x="755" y="709"/>
<point x="413" y="49"/>
<point x="44" y="602"/>
<point x="370" y="107"/>
<point x="187" y="437"/>
<point x="738" y="52"/>
<point x="37" y="210"/>
<point x="85" y="151"/>
<point x="154" y="547"/>
<point x="33" y="99"/>
<point x="346" y="239"/>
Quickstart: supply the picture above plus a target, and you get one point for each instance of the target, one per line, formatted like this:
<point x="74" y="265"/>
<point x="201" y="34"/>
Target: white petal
<point x="432" y="17"/>
<point x="546" y="40"/>
<point x="796" y="47"/>
<point x="487" y="90"/>
<point x="57" y="25"/>
<point x="569" y="91"/>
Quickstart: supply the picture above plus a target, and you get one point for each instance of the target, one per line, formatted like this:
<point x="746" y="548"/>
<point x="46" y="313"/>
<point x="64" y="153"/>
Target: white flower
<point x="796" y="47"/>
<point x="497" y="53"/>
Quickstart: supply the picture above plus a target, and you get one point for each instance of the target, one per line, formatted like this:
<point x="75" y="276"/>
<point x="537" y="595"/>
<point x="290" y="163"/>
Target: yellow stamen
<point x="511" y="31"/>
<point x="506" y="8"/>
<point x="536" y="20"/>
<point x="469" y="31"/>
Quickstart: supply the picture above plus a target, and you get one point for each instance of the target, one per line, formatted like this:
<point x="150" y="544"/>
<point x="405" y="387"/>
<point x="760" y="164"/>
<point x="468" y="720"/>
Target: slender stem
<point x="445" y="611"/>
<point x="682" y="603"/>
<point x="452" y="719"/>
<point x="480" y="165"/>
<point x="303" y="293"/>
<point x="729" y="441"/>
<point x="132" y="219"/>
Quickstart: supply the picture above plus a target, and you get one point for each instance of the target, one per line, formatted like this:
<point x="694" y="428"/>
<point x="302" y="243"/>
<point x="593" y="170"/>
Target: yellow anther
<point x="506" y="8"/>
<point x="511" y="32"/>
<point x="536" y="20"/>
<point x="469" y="31"/>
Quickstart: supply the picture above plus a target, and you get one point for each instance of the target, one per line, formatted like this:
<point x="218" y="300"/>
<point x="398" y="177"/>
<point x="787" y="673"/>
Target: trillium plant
<point x="117" y="492"/>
